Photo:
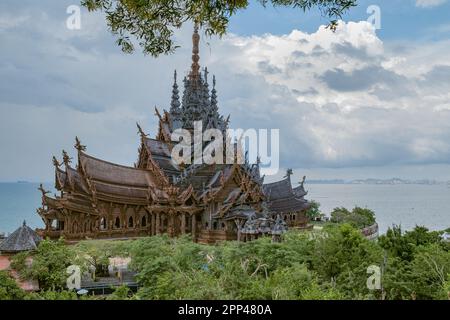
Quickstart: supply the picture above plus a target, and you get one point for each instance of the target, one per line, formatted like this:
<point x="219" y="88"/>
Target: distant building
<point x="446" y="236"/>
<point x="23" y="239"/>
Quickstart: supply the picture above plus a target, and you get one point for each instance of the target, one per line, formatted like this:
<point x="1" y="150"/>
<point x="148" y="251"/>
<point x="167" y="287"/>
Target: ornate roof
<point x="107" y="172"/>
<point x="22" y="239"/>
<point x="282" y="198"/>
<point x="278" y="190"/>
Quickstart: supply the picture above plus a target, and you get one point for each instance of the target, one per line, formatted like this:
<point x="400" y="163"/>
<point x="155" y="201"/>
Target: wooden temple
<point x="213" y="202"/>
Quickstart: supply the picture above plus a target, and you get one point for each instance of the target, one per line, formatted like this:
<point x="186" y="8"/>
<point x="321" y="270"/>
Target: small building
<point x="288" y="202"/>
<point x="23" y="239"/>
<point x="446" y="236"/>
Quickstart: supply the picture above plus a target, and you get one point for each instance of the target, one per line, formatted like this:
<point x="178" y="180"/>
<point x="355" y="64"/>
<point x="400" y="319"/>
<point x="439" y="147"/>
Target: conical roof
<point x="22" y="239"/>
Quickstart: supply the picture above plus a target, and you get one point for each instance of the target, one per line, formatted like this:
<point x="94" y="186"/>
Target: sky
<point x="358" y="103"/>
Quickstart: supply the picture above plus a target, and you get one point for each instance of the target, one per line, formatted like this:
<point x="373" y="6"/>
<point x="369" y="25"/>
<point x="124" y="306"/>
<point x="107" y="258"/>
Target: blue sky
<point x="354" y="104"/>
<point x="401" y="19"/>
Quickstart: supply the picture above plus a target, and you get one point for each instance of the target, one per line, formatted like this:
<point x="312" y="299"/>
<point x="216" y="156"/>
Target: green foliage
<point x="418" y="264"/>
<point x="94" y="255"/>
<point x="9" y="290"/>
<point x="53" y="295"/>
<point x="327" y="264"/>
<point x="50" y="261"/>
<point x="152" y="23"/>
<point x="342" y="258"/>
<point x="314" y="210"/>
<point x="120" y="293"/>
<point x="358" y="217"/>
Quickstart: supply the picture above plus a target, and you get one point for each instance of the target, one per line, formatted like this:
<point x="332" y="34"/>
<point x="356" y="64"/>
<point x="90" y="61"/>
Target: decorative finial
<point x="157" y="113"/>
<point x="78" y="145"/>
<point x="214" y="81"/>
<point x="303" y="181"/>
<point x="56" y="162"/>
<point x="66" y="159"/>
<point x="41" y="189"/>
<point x="140" y="131"/>
<point x="288" y="173"/>
<point x="24" y="223"/>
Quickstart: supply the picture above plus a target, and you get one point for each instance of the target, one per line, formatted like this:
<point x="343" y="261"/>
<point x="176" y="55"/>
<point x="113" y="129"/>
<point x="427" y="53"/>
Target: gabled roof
<point x="108" y="172"/>
<point x="157" y="147"/>
<point x="278" y="190"/>
<point x="22" y="239"/>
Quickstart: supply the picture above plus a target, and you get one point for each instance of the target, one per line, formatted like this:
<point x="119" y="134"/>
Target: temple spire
<point x="175" y="103"/>
<point x="194" y="74"/>
<point x="214" y="107"/>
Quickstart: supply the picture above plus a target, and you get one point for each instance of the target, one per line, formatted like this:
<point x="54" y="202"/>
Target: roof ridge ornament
<point x="66" y="159"/>
<point x="41" y="189"/>
<point x="78" y="145"/>
<point x="301" y="183"/>
<point x="56" y="163"/>
<point x="288" y="173"/>
<point x="140" y="131"/>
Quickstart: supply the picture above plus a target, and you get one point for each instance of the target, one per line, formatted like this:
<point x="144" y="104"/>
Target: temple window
<point x="117" y="223"/>
<point x="130" y="222"/>
<point x="103" y="224"/>
<point x="144" y="221"/>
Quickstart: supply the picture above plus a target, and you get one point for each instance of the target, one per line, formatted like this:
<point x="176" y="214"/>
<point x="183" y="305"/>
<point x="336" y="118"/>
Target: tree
<point x="9" y="290"/>
<point x="49" y="264"/>
<point x="358" y="217"/>
<point x="314" y="210"/>
<point x="342" y="258"/>
<point x="153" y="22"/>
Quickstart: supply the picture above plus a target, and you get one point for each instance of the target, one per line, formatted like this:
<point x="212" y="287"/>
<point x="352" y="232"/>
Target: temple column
<point x="152" y="226"/>
<point x="171" y="224"/>
<point x="158" y="230"/>
<point x="183" y="223"/>
<point x="194" y="227"/>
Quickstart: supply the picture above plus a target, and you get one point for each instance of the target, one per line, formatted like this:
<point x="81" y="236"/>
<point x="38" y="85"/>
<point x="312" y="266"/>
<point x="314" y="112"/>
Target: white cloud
<point x="429" y="3"/>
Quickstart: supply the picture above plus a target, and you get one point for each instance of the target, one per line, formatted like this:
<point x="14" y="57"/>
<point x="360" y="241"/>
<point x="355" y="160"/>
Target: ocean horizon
<point x="405" y="205"/>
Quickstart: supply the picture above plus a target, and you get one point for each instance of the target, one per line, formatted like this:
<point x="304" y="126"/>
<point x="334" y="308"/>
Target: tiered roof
<point x="282" y="198"/>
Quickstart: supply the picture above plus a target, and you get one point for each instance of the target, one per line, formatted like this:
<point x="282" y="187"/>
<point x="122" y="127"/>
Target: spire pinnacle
<point x="194" y="74"/>
<point x="175" y="103"/>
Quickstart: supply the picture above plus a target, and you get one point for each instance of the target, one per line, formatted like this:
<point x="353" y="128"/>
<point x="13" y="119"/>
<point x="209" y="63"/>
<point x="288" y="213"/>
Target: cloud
<point x="429" y="3"/>
<point x="340" y="100"/>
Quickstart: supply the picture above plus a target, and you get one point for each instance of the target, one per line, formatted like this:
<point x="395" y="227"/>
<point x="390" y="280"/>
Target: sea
<point x="405" y="205"/>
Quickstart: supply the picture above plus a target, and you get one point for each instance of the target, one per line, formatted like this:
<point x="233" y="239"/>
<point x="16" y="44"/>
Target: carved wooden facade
<point x="99" y="199"/>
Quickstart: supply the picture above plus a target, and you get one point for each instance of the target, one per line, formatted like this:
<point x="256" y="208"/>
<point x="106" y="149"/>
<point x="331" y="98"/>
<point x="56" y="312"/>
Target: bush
<point x="9" y="290"/>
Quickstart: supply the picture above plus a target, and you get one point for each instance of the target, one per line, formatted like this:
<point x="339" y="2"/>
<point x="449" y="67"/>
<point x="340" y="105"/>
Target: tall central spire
<point x="195" y="74"/>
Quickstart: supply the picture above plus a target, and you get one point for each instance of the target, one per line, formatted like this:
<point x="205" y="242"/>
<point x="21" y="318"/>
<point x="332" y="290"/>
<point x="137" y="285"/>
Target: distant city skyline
<point x="356" y="104"/>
